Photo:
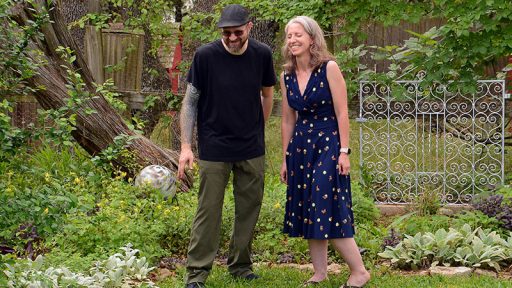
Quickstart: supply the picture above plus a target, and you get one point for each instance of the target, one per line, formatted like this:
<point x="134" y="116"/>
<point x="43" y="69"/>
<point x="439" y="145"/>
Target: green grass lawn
<point x="277" y="277"/>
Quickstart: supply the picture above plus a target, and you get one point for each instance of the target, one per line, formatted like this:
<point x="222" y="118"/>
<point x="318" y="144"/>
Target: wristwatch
<point x="345" y="150"/>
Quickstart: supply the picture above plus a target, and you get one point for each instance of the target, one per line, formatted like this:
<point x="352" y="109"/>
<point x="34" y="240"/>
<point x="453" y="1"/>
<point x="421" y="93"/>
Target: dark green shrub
<point x="364" y="208"/>
<point x="411" y="224"/>
<point x="38" y="192"/>
<point x="498" y="206"/>
<point x="477" y="219"/>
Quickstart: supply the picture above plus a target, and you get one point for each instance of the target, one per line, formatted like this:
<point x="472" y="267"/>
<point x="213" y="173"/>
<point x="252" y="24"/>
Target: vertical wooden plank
<point x="119" y="49"/>
<point x="93" y="6"/>
<point x="382" y="42"/>
<point x="126" y="79"/>
<point x="105" y="51"/>
<point x="94" y="53"/>
<point x="140" y="57"/>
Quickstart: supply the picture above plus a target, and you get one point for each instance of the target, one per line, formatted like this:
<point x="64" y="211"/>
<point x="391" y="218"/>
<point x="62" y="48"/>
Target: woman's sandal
<point x="351" y="286"/>
<point x="313" y="283"/>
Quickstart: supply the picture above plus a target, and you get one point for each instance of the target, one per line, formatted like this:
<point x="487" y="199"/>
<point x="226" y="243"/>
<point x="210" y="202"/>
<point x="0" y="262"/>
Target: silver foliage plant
<point x="466" y="247"/>
<point x="119" y="270"/>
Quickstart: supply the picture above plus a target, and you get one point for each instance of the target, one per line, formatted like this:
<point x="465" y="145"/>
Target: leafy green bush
<point x="498" y="206"/>
<point x="38" y="192"/>
<point x="11" y="138"/>
<point x="427" y="203"/>
<point x="370" y="237"/>
<point x="412" y="224"/>
<point x="467" y="247"/>
<point x="476" y="218"/>
<point x="364" y="208"/>
<point x="506" y="190"/>
<point x="43" y="198"/>
<point x="121" y="213"/>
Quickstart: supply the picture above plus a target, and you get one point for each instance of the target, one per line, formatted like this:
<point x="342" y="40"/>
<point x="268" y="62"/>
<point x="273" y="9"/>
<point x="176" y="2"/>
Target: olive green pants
<point x="248" y="182"/>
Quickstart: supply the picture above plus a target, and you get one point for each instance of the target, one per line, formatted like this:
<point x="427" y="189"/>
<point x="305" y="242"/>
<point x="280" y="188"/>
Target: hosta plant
<point x="466" y="247"/>
<point x="119" y="270"/>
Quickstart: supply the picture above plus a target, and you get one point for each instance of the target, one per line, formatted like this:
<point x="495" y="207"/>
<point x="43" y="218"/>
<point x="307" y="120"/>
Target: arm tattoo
<point x="188" y="113"/>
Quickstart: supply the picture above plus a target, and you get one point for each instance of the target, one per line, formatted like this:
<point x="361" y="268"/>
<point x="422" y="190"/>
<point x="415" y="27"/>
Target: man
<point x="230" y="93"/>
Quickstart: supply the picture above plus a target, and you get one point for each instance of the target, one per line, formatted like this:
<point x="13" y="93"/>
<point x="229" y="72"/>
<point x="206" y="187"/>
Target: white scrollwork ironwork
<point x="417" y="139"/>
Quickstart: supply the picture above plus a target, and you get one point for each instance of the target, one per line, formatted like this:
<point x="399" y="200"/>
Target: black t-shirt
<point x="230" y="116"/>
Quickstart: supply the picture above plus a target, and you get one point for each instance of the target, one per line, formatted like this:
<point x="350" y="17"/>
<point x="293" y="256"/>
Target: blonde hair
<point x="318" y="50"/>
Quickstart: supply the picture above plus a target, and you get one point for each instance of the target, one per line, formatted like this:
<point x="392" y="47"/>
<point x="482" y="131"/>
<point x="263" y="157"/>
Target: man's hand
<point x="186" y="161"/>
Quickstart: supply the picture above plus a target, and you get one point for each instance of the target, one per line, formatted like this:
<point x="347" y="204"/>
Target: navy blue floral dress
<point x="318" y="198"/>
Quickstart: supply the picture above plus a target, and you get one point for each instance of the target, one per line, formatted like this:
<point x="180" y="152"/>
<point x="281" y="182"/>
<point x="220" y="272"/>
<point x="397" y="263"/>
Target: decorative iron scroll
<point x="415" y="140"/>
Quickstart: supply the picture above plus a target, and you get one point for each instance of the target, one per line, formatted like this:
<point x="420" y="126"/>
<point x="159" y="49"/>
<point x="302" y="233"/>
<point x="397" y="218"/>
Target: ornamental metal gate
<point x="437" y="140"/>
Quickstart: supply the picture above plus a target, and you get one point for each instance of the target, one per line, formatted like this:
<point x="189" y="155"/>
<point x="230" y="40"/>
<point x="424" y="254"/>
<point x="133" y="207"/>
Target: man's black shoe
<point x="195" y="285"/>
<point x="248" y="277"/>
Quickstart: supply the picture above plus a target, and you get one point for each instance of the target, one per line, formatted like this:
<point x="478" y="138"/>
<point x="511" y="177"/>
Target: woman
<point x="315" y="138"/>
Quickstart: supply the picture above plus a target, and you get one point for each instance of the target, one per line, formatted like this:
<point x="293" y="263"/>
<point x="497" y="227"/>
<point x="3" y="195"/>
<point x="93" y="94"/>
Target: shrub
<point x="412" y="224"/>
<point x="121" y="213"/>
<point x="364" y="208"/>
<point x="71" y="203"/>
<point x="39" y="191"/>
<point x="490" y="205"/>
<point x="496" y="205"/>
<point x="506" y="190"/>
<point x="370" y="237"/>
<point x="505" y="216"/>
<point x="427" y="203"/>
<point x="11" y="138"/>
<point x="476" y="218"/>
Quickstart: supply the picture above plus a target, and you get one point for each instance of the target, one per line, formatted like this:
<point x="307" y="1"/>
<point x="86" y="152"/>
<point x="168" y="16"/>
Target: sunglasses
<point x="237" y="33"/>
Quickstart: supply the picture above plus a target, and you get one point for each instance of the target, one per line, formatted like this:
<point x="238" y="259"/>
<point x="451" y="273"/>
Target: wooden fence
<point x="116" y="54"/>
<point x="24" y="111"/>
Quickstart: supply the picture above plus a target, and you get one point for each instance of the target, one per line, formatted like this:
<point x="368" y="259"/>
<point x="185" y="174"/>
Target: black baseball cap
<point x="233" y="15"/>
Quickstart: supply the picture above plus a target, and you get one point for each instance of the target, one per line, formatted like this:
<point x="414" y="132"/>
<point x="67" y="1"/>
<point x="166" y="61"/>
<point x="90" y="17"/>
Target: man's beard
<point x="236" y="46"/>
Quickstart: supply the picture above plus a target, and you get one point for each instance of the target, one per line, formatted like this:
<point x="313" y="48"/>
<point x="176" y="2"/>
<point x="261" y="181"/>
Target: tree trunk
<point x="97" y="131"/>
<point x="73" y="10"/>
